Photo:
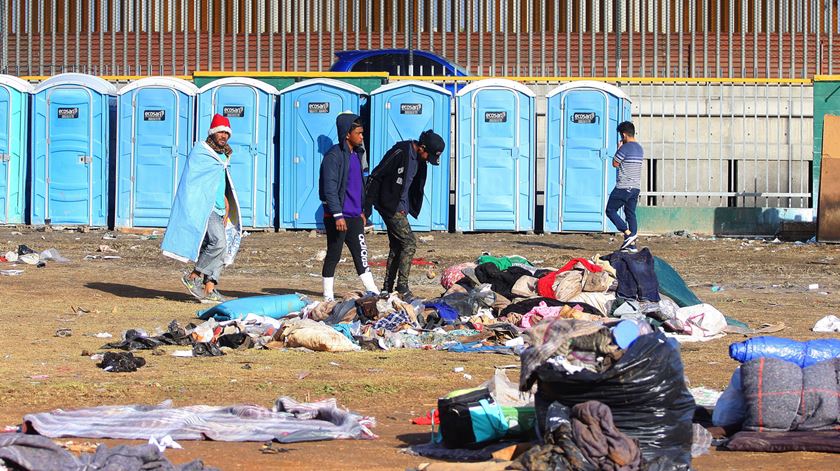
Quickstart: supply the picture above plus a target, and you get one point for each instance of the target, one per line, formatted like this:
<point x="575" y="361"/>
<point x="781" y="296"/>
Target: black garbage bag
<point x="121" y="362"/>
<point x="646" y="392"/>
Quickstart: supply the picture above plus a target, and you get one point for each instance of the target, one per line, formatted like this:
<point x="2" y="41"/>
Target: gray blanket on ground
<point x="781" y="396"/>
<point x="36" y="452"/>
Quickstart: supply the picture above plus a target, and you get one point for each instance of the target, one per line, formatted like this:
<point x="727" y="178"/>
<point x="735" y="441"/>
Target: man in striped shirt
<point x="628" y="160"/>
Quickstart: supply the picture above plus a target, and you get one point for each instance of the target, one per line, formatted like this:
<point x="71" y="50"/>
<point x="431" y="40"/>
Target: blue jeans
<point x="626" y="197"/>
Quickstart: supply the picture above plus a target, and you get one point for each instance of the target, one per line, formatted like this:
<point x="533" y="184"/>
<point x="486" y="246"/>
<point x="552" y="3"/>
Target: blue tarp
<point x="274" y="306"/>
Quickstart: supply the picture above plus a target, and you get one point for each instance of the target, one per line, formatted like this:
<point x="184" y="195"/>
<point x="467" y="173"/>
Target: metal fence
<point x="551" y="38"/>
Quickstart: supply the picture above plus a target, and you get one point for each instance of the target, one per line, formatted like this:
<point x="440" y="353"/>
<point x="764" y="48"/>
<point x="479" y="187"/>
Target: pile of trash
<point x="27" y="256"/>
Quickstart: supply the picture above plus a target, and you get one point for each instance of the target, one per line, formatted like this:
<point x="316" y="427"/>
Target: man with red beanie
<point x="204" y="225"/>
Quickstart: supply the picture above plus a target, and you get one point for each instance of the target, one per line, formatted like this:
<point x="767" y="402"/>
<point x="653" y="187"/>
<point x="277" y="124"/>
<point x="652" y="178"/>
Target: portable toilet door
<point x="400" y="111"/>
<point x="249" y="104"/>
<point x="581" y="141"/>
<point x="307" y="122"/>
<point x="71" y="148"/>
<point x="154" y="136"/>
<point x="495" y="157"/>
<point x="14" y="124"/>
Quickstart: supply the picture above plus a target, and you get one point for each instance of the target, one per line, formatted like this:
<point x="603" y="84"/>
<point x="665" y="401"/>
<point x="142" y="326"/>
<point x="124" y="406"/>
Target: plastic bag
<point x="802" y="353"/>
<point x="731" y="407"/>
<point x="645" y="390"/>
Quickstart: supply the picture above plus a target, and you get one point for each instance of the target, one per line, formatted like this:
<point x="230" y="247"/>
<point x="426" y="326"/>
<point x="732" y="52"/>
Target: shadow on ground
<point x="130" y="291"/>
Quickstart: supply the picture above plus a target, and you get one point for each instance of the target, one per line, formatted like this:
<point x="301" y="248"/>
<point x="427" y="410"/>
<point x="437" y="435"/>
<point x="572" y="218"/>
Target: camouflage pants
<point x="402" y="246"/>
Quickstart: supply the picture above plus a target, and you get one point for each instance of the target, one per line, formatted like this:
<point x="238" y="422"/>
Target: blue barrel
<point x="155" y="133"/>
<point x="581" y="140"/>
<point x="72" y="144"/>
<point x="495" y="157"/>
<point x="307" y="130"/>
<point x="400" y="111"/>
<point x="14" y="126"/>
<point x="250" y="105"/>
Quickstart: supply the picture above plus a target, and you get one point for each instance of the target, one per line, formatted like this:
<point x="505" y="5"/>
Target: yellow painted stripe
<point x="826" y="78"/>
<point x="609" y="79"/>
<point x="293" y="74"/>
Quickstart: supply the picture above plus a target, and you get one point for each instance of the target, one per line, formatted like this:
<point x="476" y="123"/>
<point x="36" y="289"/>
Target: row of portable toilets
<point x="79" y="133"/>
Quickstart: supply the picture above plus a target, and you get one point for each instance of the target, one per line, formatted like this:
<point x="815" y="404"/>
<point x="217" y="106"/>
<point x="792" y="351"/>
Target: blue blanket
<point x="275" y="306"/>
<point x="193" y="203"/>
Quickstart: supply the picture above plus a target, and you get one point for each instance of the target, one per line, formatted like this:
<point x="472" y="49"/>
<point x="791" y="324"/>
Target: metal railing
<point x="622" y="38"/>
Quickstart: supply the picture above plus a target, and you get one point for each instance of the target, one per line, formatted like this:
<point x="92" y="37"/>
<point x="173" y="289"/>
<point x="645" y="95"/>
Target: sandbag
<point x="645" y="391"/>
<point x="273" y="306"/>
<point x="315" y="336"/>
<point x="802" y="353"/>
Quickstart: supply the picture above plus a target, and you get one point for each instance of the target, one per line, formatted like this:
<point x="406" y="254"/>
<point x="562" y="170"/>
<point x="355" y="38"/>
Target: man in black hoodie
<point x="342" y="192"/>
<point x="395" y="189"/>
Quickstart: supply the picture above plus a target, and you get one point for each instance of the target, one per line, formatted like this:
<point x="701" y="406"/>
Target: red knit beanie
<point x="219" y="124"/>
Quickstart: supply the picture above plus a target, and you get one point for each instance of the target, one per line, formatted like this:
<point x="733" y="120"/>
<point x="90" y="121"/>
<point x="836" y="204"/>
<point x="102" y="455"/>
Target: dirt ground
<point x="759" y="282"/>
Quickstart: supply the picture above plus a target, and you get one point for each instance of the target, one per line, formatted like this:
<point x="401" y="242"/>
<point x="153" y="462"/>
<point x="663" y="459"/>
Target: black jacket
<point x="332" y="184"/>
<point x="385" y="184"/>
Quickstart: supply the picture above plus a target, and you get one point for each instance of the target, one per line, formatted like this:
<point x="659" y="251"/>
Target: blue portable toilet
<point x="72" y="139"/>
<point x="250" y="105"/>
<point x="14" y="125"/>
<point x="155" y="134"/>
<point x="400" y="111"/>
<point x="495" y="157"/>
<point x="581" y="141"/>
<point x="307" y="125"/>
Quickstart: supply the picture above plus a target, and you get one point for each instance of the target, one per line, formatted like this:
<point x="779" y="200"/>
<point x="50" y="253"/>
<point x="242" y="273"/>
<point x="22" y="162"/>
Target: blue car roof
<point x="346" y="59"/>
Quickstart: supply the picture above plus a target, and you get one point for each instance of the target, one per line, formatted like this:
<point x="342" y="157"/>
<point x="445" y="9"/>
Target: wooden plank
<point x="828" y="213"/>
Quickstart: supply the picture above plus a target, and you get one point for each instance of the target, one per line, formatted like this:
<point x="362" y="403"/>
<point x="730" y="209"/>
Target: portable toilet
<point x="249" y="104"/>
<point x="155" y="133"/>
<point x="495" y="157"/>
<point x="400" y="111"/>
<point x="14" y="125"/>
<point x="307" y="123"/>
<point x="72" y="143"/>
<point x="581" y="141"/>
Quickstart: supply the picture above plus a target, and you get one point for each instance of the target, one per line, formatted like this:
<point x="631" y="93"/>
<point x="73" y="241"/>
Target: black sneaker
<point x="628" y="241"/>
<point x="405" y="292"/>
<point x="630" y="249"/>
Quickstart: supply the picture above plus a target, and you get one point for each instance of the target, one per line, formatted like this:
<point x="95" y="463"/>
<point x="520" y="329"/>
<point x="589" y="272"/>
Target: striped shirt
<point x="630" y="157"/>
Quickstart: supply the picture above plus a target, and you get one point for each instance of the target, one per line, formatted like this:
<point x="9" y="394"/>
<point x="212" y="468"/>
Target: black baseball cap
<point x="434" y="145"/>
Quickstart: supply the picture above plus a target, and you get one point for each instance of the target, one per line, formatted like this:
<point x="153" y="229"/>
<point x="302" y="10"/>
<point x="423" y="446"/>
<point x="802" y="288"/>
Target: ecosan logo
<point x="68" y="113"/>
<point x="233" y="111"/>
<point x="154" y="115"/>
<point x="319" y="107"/>
<point x="411" y="108"/>
<point x="584" y="118"/>
<point x="495" y="116"/>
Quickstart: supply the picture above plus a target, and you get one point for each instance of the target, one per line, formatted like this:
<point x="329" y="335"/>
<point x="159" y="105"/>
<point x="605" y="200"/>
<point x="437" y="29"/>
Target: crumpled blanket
<point x="453" y="274"/>
<point x="600" y="441"/>
<point x="546" y="340"/>
<point x="36" y="452"/>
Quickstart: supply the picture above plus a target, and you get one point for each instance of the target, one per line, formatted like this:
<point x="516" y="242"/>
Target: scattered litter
<point x="121" y="362"/>
<point x="716" y="288"/>
<point x="109" y="236"/>
<point x="321" y="255"/>
<point x="106" y="249"/>
<point x="332" y="363"/>
<point x="30" y="258"/>
<point x="84" y="447"/>
<point x="103" y="335"/>
<point x="813" y="287"/>
<point x="39" y="377"/>
<point x="303" y="374"/>
<point x="164" y="443"/>
<point x="705" y="397"/>
<point x="97" y="357"/>
<point x="11" y="257"/>
<point x="458" y="369"/>
<point x="313" y="234"/>
<point x="102" y="257"/>
<point x="518" y="341"/>
<point x="64" y="332"/>
<point x="182" y="353"/>
<point x="23" y="250"/>
<point x="269" y="449"/>
<point x="79" y="310"/>
<point x="829" y="323"/>
<point x="246" y="366"/>
<point x="467" y="376"/>
<point x="11" y="272"/>
<point x="426" y="238"/>
<point x="16" y="233"/>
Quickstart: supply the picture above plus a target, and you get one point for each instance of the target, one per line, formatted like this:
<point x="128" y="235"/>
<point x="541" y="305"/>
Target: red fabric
<point x="427" y="420"/>
<point x="545" y="285"/>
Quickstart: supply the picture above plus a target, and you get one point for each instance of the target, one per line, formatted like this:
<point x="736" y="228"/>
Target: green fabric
<point x="503" y="263"/>
<point x="219" y="206"/>
<point x="672" y="285"/>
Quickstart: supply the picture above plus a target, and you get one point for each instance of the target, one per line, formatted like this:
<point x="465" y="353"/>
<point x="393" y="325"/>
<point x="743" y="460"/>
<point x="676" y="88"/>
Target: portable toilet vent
<point x="308" y="110"/>
<point x="72" y="144"/>
<point x="400" y="111"/>
<point x="495" y="157"/>
<point x="581" y="141"/>
<point x="250" y="105"/>
<point x="14" y="126"/>
<point x="155" y="134"/>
